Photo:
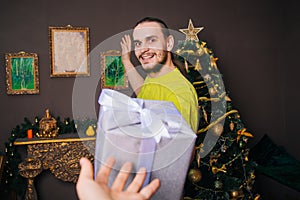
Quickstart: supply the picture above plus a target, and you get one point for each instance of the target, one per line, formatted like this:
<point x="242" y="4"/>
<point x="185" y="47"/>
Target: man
<point x="152" y="46"/>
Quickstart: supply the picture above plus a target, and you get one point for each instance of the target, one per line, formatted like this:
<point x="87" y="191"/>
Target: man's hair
<point x="163" y="25"/>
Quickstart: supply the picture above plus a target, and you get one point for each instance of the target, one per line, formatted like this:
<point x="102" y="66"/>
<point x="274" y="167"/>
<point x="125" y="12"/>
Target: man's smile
<point x="145" y="57"/>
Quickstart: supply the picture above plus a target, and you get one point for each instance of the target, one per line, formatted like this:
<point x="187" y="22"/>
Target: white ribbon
<point x="151" y="124"/>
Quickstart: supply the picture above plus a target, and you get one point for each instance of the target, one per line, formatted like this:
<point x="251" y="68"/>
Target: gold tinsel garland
<point x="217" y="121"/>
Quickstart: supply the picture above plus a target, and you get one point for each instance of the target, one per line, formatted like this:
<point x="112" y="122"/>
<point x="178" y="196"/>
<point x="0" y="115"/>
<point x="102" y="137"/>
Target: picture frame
<point x="1" y="167"/>
<point x="22" y="75"/>
<point x="69" y="49"/>
<point x="113" y="73"/>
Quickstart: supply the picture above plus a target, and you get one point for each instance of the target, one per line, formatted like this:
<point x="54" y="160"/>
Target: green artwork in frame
<point x="22" y="73"/>
<point x="113" y="74"/>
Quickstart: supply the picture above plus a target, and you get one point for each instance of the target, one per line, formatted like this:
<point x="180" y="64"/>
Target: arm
<point x="135" y="79"/>
<point x="90" y="189"/>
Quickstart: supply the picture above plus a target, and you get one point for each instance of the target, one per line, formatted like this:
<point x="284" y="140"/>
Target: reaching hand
<point x="90" y="189"/>
<point x="126" y="49"/>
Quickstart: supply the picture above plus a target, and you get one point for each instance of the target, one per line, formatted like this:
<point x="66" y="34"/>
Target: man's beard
<point x="156" y="68"/>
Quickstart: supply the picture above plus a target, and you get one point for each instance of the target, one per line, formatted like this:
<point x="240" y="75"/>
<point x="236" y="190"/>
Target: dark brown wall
<point x="256" y="42"/>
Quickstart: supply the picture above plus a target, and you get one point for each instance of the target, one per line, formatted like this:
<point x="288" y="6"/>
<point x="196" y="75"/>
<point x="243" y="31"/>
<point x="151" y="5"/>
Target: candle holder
<point x="48" y="126"/>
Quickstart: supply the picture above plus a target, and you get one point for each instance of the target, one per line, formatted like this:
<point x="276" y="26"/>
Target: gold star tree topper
<point x="191" y="32"/>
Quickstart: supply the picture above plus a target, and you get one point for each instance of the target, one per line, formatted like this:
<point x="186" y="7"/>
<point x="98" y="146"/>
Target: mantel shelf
<point x="61" y="138"/>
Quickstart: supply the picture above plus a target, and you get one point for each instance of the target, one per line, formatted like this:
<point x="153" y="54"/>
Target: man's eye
<point x="137" y="44"/>
<point x="152" y="40"/>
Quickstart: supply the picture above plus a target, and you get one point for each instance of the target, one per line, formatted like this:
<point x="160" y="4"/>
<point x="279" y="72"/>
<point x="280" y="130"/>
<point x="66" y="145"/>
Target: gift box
<point x="148" y="133"/>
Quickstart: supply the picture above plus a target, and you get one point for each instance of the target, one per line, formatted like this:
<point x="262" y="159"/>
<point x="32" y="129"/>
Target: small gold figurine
<point x="48" y="127"/>
<point x="90" y="131"/>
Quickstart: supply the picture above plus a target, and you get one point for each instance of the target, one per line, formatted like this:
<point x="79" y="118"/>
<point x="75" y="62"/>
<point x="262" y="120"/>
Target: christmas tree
<point x="220" y="168"/>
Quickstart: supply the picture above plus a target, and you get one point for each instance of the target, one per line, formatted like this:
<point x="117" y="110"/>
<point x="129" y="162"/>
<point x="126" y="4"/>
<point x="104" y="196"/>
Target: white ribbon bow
<point x="151" y="124"/>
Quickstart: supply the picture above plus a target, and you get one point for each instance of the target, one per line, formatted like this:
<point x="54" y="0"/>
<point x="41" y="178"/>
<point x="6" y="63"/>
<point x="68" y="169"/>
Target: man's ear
<point x="170" y="42"/>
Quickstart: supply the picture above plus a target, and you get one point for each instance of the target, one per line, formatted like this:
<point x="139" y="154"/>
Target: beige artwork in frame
<point x="22" y="76"/>
<point x="69" y="49"/>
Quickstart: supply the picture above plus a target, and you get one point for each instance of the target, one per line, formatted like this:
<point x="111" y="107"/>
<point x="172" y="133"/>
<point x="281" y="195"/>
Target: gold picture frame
<point x="69" y="49"/>
<point x="1" y="167"/>
<point x="22" y="76"/>
<point x="113" y="74"/>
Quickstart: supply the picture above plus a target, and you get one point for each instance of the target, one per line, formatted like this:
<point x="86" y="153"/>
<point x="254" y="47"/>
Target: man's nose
<point x="144" y="47"/>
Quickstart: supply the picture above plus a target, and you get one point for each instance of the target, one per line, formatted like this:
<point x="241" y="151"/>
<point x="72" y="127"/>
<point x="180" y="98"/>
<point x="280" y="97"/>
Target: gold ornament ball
<point x="195" y="175"/>
<point x="234" y="194"/>
<point x="217" y="129"/>
<point x="212" y="91"/>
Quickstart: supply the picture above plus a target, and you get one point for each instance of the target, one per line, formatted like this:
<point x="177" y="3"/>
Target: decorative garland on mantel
<point x="12" y="180"/>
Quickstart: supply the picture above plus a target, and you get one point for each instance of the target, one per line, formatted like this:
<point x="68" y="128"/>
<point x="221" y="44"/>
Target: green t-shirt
<point x="176" y="88"/>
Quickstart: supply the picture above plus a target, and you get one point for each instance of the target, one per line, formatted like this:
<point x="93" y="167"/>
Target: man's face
<point x="150" y="46"/>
